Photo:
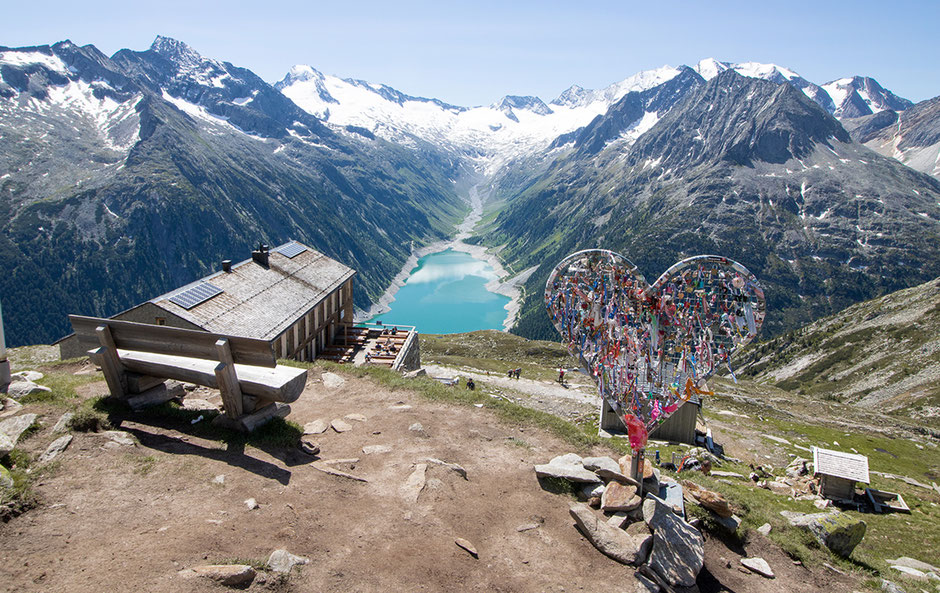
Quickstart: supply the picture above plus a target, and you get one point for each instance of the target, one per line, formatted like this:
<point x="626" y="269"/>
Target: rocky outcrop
<point x="835" y="530"/>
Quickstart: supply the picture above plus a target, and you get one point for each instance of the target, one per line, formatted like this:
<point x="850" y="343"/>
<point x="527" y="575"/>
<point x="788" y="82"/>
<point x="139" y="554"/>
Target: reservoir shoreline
<point x="510" y="287"/>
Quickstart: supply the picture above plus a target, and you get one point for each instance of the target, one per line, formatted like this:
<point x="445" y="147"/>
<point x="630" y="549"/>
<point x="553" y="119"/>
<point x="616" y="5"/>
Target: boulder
<point x="764" y="529"/>
<point x="355" y="417"/>
<point x="332" y="379"/>
<point x="231" y="575"/>
<point x="612" y="541"/>
<point x="596" y="463"/>
<point x="10" y="407"/>
<point x="15" y="427"/>
<point x="284" y="561"/>
<point x="589" y="491"/>
<point x="678" y="548"/>
<point x="416" y="373"/>
<point x="20" y="389"/>
<point x="835" y="530"/>
<point x="54" y="448"/>
<point x="620" y="497"/>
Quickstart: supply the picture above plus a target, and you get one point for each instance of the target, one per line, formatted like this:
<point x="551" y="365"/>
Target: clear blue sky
<point x="475" y="51"/>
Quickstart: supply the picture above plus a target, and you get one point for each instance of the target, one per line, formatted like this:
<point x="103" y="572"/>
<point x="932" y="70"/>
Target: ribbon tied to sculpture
<point x="650" y="348"/>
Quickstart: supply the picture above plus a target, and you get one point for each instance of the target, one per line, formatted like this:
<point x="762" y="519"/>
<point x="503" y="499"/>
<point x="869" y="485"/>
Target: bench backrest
<point x="162" y="339"/>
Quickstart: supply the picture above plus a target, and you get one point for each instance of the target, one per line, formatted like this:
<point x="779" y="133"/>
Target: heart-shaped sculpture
<point x="650" y="348"/>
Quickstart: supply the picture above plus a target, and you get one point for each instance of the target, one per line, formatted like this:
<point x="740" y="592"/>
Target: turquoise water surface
<point x="446" y="294"/>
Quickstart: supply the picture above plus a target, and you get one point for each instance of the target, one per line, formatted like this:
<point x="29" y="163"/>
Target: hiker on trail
<point x="509" y="373"/>
<point x="518" y="371"/>
<point x="470" y="384"/>
<point x="561" y="375"/>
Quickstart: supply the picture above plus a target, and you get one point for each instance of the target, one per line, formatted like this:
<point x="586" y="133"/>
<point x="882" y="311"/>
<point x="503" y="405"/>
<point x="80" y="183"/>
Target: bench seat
<point x="280" y="384"/>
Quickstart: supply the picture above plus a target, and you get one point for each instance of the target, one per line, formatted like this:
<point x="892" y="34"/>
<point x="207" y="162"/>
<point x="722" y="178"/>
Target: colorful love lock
<point x="650" y="348"/>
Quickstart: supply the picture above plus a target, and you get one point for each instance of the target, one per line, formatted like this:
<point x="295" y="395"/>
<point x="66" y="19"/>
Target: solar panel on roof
<point x="191" y="297"/>
<point x="292" y="250"/>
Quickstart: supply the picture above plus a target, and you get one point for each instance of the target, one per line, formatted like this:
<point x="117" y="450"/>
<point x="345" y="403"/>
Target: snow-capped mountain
<point x="516" y="127"/>
<point x="489" y="135"/>
<point x="860" y="95"/>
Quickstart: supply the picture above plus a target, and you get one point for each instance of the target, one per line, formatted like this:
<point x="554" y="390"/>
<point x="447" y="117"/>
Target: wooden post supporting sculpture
<point x="107" y="358"/>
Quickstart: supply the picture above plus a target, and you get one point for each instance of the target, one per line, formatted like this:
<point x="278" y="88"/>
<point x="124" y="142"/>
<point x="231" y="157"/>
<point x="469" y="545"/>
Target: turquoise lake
<point x="446" y="294"/>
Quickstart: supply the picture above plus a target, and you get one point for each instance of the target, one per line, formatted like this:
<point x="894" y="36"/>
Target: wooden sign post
<point x="4" y="363"/>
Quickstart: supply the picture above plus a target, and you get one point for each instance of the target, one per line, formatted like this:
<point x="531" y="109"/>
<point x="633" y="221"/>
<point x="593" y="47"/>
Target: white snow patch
<point x="28" y="58"/>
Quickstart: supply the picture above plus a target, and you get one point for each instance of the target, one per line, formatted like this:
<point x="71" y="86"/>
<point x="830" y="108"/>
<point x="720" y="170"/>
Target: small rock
<point x="913" y="563"/>
<point x="219" y="479"/>
<point x="722" y="474"/>
<point x="568" y="467"/>
<point x="376" y="449"/>
<point x="416" y="427"/>
<point x="198" y="405"/>
<point x="777" y="439"/>
<point x="467" y="546"/>
<point x="608" y="475"/>
<point x="355" y="417"/>
<point x="252" y="504"/>
<point x="758" y="565"/>
<point x="911" y="572"/>
<point x="284" y="561"/>
<point x="6" y="444"/>
<point x="231" y="575"/>
<point x="15" y="427"/>
<point x="822" y="503"/>
<point x="21" y="389"/>
<point x="646" y="585"/>
<point x="416" y="373"/>
<point x="764" y="529"/>
<point x="63" y="423"/>
<point x="309" y="447"/>
<point x="28" y="376"/>
<point x="890" y="587"/>
<point x="340" y="425"/>
<point x="414" y="484"/>
<point x="620" y="497"/>
<point x="318" y="426"/>
<point x="10" y="407"/>
<point x="332" y="379"/>
<point x="595" y="463"/>
<point x="458" y="469"/>
<point x="613" y="542"/>
<point x="527" y="527"/>
<point x="119" y="438"/>
<point x="589" y="491"/>
<point x="708" y="499"/>
<point x="54" y="448"/>
<point x="399" y="407"/>
<point x="619" y="520"/>
<point x="6" y="480"/>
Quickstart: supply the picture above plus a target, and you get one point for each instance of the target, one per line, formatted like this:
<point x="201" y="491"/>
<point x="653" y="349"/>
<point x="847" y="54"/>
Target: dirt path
<point x="128" y="518"/>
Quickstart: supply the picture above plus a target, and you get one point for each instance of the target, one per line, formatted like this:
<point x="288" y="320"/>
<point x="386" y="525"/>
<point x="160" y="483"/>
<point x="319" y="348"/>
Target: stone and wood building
<point x="839" y="472"/>
<point x="292" y="296"/>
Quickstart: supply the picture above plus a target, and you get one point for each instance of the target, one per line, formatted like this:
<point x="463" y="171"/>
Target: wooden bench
<point x="136" y="358"/>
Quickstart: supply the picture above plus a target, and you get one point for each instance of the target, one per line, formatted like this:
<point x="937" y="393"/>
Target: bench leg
<point x="111" y="369"/>
<point x="228" y="381"/>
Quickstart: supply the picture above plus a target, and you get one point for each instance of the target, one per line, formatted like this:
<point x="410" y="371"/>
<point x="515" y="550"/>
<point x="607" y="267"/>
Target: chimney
<point x="226" y="265"/>
<point x="260" y="255"/>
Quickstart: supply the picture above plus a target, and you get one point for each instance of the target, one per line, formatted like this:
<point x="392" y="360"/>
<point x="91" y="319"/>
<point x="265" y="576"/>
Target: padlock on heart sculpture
<point x="650" y="348"/>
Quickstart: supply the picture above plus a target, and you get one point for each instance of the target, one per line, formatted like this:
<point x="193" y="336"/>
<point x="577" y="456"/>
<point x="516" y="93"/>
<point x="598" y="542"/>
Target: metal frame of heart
<point x="650" y="348"/>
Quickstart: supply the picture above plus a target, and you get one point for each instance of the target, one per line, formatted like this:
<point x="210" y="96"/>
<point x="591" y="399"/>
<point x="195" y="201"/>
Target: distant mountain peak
<point x="529" y="103"/>
<point x="175" y="49"/>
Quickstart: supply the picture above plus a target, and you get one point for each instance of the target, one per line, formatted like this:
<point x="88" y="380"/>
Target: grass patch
<point x="496" y="352"/>
<point x="63" y="388"/>
<point x="88" y="418"/>
<point x="144" y="465"/>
